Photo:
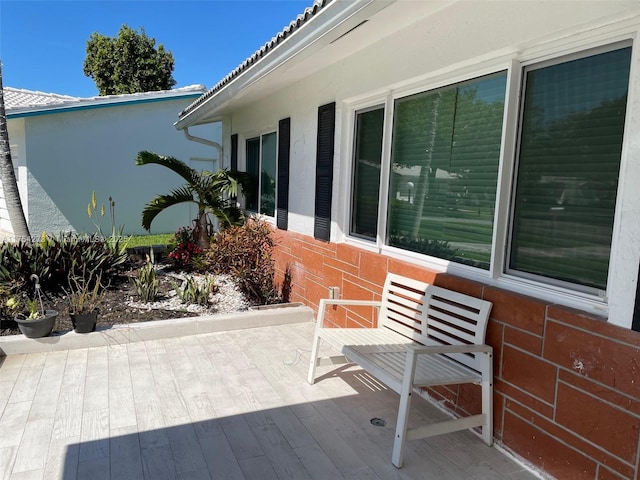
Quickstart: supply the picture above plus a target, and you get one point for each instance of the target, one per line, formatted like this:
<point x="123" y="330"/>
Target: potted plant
<point x="30" y="315"/>
<point x="84" y="296"/>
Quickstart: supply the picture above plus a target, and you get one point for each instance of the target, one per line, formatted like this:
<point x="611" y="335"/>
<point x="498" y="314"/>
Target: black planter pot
<point x="39" y="327"/>
<point x="84" y="322"/>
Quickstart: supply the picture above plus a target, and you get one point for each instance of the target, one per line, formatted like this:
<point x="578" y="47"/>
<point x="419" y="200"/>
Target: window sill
<point x="585" y="302"/>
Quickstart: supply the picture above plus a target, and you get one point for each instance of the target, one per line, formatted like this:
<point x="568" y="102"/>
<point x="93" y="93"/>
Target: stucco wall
<point x="17" y="143"/>
<point x="71" y="154"/>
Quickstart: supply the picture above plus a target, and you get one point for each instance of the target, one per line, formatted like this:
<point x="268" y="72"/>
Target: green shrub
<point x="245" y="252"/>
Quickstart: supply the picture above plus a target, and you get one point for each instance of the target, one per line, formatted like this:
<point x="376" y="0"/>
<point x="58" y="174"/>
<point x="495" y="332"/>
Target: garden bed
<point x="120" y="304"/>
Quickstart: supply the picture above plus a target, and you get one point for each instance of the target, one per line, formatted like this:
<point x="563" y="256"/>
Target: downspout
<point x="204" y="141"/>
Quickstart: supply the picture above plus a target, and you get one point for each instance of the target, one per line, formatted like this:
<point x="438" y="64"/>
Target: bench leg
<point x="316" y="345"/>
<point x="403" y="410"/>
<point x="314" y="359"/>
<point x="487" y="400"/>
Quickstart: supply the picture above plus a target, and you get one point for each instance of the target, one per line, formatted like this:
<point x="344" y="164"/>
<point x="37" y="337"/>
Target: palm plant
<point x="212" y="192"/>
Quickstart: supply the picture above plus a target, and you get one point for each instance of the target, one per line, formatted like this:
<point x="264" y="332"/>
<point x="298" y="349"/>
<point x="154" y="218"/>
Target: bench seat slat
<point x="337" y="337"/>
<point x="430" y="369"/>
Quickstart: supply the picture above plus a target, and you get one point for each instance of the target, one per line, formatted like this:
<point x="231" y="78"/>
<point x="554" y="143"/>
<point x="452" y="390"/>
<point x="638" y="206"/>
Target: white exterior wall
<point x="464" y="40"/>
<point x="17" y="143"/>
<point x="70" y="154"/>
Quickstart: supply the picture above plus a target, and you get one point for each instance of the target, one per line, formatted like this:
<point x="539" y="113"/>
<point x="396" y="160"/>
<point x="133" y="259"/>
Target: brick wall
<point x="567" y="386"/>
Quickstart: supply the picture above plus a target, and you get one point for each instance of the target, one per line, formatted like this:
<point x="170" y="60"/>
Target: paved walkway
<point x="230" y="405"/>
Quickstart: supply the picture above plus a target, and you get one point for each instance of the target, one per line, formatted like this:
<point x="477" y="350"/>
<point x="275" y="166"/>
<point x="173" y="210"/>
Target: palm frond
<point x="178" y="166"/>
<point x="246" y="181"/>
<point x="219" y="182"/>
<point x="162" y="202"/>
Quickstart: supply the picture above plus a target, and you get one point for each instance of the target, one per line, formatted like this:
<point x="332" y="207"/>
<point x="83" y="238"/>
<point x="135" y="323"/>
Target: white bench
<point x="426" y="336"/>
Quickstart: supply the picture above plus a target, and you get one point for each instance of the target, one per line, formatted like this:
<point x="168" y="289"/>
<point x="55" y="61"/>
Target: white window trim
<point x="258" y="135"/>
<point x="617" y="302"/>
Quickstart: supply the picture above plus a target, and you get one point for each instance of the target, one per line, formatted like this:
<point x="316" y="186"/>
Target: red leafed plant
<point x="183" y="249"/>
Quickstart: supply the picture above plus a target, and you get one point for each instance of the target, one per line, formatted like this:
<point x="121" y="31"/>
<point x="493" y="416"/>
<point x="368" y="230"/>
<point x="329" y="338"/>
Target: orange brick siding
<point x="567" y="385"/>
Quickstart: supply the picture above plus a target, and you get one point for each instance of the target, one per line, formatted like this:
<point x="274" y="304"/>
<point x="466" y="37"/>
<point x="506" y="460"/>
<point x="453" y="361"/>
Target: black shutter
<point x="284" y="142"/>
<point x="324" y="171"/>
<point x="234" y="152"/>
<point x="635" y="325"/>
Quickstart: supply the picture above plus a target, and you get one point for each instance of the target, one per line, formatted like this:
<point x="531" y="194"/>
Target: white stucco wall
<point x="17" y="143"/>
<point x="71" y="154"/>
<point x="464" y="40"/>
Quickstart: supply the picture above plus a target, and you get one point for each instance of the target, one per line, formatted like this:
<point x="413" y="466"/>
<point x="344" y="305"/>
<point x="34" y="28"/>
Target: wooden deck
<point x="231" y="405"/>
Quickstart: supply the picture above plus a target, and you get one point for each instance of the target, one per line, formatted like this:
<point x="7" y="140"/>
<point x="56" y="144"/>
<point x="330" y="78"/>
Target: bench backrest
<point x="433" y="315"/>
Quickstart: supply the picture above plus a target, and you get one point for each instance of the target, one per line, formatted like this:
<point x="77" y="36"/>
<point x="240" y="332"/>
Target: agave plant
<point x="212" y="192"/>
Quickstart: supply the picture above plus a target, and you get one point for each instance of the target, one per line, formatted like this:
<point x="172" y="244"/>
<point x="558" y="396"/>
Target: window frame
<point x="563" y="293"/>
<point x="351" y="177"/>
<point x="537" y="278"/>
<point x="259" y="138"/>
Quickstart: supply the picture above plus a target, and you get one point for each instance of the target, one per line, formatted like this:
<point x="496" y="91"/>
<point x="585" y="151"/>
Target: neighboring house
<point x="489" y="147"/>
<point x="64" y="148"/>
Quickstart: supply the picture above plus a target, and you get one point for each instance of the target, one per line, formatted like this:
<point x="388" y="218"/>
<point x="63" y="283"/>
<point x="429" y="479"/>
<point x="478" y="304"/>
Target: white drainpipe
<point x="204" y="141"/>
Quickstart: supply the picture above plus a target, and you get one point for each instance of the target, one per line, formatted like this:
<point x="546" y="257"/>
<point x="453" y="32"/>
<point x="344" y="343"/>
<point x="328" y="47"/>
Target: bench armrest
<point x="436" y="349"/>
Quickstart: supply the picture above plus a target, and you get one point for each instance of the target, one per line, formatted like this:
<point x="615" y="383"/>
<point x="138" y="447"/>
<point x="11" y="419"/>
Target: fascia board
<point x="92" y="104"/>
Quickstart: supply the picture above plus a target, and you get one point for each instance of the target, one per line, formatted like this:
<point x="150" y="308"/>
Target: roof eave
<point x="329" y="22"/>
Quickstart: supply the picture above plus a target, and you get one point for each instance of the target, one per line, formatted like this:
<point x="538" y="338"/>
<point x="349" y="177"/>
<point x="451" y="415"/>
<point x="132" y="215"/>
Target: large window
<point x="445" y="157"/>
<point x="556" y="226"/>
<point x="366" y="176"/>
<point x="569" y="159"/>
<point x="261" y="166"/>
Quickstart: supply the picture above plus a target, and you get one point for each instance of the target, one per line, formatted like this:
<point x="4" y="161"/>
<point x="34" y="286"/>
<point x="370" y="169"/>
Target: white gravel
<point x="228" y="298"/>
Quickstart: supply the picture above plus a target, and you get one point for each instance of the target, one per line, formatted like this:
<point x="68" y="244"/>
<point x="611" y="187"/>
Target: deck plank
<point x="31" y="455"/>
<point x="232" y="405"/>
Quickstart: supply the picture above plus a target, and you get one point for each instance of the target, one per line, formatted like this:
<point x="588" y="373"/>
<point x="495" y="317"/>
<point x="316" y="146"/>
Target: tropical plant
<point x="98" y="216"/>
<point x="8" y="177"/>
<point x="85" y="291"/>
<point x="57" y="258"/>
<point x="128" y="63"/>
<point x="182" y="249"/>
<point x="245" y="252"/>
<point x="25" y="307"/>
<point x="213" y="192"/>
<point x="196" y="290"/>
<point x="146" y="283"/>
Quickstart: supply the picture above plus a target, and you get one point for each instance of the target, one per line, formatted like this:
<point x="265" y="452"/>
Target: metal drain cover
<point x="378" y="422"/>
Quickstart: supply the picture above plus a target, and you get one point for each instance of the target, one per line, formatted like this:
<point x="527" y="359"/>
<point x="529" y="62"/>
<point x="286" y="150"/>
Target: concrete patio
<point x="224" y="405"/>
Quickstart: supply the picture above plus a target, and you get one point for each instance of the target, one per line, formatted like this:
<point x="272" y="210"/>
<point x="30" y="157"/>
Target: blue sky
<point x="42" y="43"/>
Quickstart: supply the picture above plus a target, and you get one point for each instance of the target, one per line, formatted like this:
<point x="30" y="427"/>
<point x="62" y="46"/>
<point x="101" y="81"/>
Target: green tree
<point x="8" y="177"/>
<point x="128" y="63"/>
<point x="212" y="192"/>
